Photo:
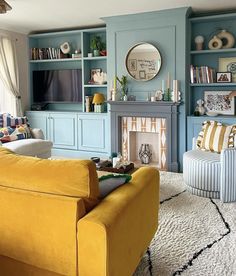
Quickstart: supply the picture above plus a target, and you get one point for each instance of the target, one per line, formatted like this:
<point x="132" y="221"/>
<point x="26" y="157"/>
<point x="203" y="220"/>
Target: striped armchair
<point x="211" y="174"/>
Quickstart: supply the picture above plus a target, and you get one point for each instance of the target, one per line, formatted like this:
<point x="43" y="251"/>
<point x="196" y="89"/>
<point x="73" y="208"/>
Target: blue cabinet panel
<point x="62" y="130"/>
<point x="39" y="120"/>
<point x="92" y="133"/>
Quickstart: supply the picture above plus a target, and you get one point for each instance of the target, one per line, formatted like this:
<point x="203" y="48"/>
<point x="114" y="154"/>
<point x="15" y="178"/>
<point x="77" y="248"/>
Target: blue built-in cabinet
<point x="74" y="134"/>
<point x="208" y="26"/>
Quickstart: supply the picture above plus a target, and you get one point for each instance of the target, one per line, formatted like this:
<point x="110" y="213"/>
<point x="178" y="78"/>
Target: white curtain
<point x="9" y="76"/>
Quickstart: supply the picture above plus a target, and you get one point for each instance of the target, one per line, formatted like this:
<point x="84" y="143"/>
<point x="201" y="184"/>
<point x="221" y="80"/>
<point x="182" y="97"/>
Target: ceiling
<point x="30" y="15"/>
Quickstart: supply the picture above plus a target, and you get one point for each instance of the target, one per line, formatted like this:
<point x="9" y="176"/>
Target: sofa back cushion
<point x="6" y="120"/>
<point x="76" y="178"/>
<point x="215" y="136"/>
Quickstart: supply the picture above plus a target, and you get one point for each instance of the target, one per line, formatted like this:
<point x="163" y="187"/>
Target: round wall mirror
<point x="143" y="62"/>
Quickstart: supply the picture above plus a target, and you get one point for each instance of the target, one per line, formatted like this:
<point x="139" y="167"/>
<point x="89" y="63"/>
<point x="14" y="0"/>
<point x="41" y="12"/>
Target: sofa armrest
<point x="114" y="236"/>
<point x="37" y="133"/>
<point x="40" y="229"/>
<point x="228" y="175"/>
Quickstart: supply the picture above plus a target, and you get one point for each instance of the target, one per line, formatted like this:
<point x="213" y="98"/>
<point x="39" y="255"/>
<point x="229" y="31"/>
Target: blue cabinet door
<point x="62" y="130"/>
<point x="93" y="134"/>
<point x="39" y="119"/>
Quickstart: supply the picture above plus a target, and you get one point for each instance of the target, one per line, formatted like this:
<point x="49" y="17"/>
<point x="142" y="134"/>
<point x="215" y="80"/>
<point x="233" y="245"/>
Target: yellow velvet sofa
<point x="53" y="222"/>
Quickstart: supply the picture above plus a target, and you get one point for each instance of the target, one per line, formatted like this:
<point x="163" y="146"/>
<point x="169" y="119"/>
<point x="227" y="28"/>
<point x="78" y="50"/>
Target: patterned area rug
<point x="196" y="235"/>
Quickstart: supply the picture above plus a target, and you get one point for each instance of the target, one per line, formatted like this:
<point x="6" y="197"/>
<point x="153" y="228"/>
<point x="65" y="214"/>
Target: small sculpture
<point x="215" y="43"/>
<point x="199" y="40"/>
<point x="200" y="109"/>
<point x="227" y="39"/>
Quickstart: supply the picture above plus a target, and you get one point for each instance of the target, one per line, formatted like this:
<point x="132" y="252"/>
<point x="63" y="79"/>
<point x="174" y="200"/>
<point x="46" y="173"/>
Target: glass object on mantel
<point x="145" y="154"/>
<point x="143" y="61"/>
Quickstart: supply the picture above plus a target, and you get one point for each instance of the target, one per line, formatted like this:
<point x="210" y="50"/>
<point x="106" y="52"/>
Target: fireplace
<point x="136" y="131"/>
<point x="153" y="123"/>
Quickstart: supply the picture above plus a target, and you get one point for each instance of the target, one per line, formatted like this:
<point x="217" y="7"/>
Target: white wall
<point x="22" y="56"/>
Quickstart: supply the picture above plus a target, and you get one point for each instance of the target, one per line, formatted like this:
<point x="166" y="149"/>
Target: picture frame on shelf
<point x="142" y="74"/>
<point x="223" y="77"/>
<point x="132" y="65"/>
<point x="219" y="102"/>
<point x="228" y="64"/>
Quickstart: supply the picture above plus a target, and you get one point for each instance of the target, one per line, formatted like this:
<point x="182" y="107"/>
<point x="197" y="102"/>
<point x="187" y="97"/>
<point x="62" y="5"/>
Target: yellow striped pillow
<point x="215" y="136"/>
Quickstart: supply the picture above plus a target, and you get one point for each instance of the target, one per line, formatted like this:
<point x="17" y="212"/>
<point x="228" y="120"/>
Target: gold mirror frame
<point x="143" y="62"/>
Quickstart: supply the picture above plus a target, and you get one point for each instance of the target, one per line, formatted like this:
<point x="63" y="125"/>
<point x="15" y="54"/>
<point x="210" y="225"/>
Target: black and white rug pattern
<point x="196" y="236"/>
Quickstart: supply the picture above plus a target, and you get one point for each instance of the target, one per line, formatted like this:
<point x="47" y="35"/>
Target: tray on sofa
<point x="107" y="167"/>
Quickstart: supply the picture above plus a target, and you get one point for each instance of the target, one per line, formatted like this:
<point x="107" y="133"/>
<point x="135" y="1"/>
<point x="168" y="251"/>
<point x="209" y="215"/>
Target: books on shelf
<point x="202" y="74"/>
<point x="46" y="53"/>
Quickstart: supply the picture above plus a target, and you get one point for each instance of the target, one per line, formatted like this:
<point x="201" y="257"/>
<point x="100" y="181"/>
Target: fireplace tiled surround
<point x="134" y="118"/>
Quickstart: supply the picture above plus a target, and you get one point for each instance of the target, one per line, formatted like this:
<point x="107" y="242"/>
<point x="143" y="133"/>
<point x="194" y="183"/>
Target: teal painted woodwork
<point x="78" y="40"/>
<point x="62" y="129"/>
<point x="207" y="26"/>
<point x="39" y="120"/>
<point x="195" y="124"/>
<point x="74" y="134"/>
<point x="93" y="133"/>
<point x="167" y="31"/>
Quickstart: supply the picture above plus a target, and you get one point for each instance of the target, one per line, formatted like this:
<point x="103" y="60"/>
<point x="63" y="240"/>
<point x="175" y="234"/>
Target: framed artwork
<point x="228" y="65"/>
<point x="223" y="77"/>
<point x="132" y="64"/>
<point x="142" y="74"/>
<point x="219" y="102"/>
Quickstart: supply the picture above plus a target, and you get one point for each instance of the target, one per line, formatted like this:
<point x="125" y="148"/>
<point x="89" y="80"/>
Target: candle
<point x="175" y="85"/>
<point x="114" y="84"/>
<point x="168" y="81"/>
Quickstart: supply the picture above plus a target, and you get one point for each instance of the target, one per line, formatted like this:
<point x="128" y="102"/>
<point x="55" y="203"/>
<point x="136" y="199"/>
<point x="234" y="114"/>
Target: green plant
<point x="123" y="81"/>
<point x="96" y="43"/>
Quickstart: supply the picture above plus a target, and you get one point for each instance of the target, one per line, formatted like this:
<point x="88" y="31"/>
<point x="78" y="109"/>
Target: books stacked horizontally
<point x="46" y="53"/>
<point x="202" y="74"/>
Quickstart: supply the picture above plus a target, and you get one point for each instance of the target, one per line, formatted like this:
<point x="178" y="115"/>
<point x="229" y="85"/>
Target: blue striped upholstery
<point x="210" y="174"/>
<point x="228" y="175"/>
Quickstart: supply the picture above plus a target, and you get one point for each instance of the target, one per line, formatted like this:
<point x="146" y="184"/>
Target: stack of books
<point x="202" y="74"/>
<point x="46" y="53"/>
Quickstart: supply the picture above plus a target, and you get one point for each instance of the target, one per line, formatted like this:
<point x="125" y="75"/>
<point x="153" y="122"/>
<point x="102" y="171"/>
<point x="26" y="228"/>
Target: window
<point x="6" y="99"/>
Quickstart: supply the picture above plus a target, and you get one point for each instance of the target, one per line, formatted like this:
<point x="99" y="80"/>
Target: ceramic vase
<point x="145" y="154"/>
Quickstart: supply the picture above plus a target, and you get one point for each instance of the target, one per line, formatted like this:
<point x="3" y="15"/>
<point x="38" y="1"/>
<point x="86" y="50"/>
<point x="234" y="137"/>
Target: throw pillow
<point x="215" y="136"/>
<point x="6" y="120"/>
<point x="108" y="183"/>
<point x="8" y="134"/>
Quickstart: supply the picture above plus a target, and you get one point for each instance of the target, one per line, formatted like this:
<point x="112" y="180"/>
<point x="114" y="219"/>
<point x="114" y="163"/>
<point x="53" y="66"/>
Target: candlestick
<point x="114" y="84"/>
<point x="168" y="81"/>
<point x="175" y="85"/>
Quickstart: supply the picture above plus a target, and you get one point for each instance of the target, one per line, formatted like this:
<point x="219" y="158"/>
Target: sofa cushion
<point x="7" y="120"/>
<point x="30" y="147"/>
<point x="215" y="136"/>
<point x="76" y="178"/>
<point x="109" y="182"/>
<point x="8" y="134"/>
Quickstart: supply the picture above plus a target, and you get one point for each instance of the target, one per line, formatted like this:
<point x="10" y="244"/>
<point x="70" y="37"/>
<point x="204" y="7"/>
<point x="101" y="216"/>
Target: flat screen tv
<point x="57" y="86"/>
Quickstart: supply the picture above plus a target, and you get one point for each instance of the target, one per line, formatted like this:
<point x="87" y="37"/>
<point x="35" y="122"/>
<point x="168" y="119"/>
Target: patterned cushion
<point x="215" y="136"/>
<point x="6" y="120"/>
<point x="8" y="134"/>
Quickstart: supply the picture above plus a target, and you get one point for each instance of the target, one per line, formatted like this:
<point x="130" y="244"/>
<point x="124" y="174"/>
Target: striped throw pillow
<point x="215" y="136"/>
<point x="6" y="120"/>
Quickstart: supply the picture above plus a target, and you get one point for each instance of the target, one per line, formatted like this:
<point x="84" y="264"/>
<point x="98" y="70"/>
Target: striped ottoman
<point x="202" y="173"/>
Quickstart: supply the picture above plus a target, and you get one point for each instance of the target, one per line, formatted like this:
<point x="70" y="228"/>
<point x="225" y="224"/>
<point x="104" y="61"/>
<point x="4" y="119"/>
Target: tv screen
<point x="52" y="86"/>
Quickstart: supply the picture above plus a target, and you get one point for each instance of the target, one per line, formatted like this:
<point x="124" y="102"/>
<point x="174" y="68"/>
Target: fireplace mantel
<point x="159" y="109"/>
